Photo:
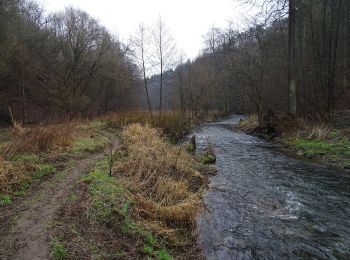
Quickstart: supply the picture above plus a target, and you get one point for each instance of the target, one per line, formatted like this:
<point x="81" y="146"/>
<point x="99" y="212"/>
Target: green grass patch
<point x="108" y="195"/>
<point x="43" y="170"/>
<point x="320" y="147"/>
<point x="58" y="251"/>
<point x="72" y="196"/>
<point x="97" y="125"/>
<point x="161" y="254"/>
<point x="5" y="200"/>
<point x="89" y="144"/>
<point x="26" y="157"/>
<point x="336" y="149"/>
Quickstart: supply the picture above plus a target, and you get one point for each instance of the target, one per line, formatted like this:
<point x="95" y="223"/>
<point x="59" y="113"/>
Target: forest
<point x="65" y="65"/>
<point x="118" y="147"/>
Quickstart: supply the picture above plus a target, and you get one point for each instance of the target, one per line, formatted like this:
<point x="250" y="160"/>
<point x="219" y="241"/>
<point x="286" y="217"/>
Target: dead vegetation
<point x="165" y="182"/>
<point x="40" y="139"/>
<point x="173" y="124"/>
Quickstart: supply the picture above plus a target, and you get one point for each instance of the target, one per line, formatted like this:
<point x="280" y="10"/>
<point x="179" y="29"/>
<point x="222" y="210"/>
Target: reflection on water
<point x="264" y="205"/>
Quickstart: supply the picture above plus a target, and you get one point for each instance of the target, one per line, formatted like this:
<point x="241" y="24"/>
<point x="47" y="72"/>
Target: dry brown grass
<point x="165" y="182"/>
<point x="173" y="123"/>
<point x="13" y="175"/>
<point x="41" y="139"/>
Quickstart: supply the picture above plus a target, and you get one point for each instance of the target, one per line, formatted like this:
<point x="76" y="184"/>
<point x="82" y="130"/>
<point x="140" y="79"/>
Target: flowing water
<point x="263" y="204"/>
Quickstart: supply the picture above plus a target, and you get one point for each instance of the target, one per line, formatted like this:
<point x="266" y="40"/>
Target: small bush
<point x="190" y="148"/>
<point x="208" y="158"/>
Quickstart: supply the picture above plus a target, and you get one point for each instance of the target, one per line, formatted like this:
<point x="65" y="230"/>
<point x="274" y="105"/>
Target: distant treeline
<point x="247" y="70"/>
<point x="60" y="65"/>
<point x="295" y="56"/>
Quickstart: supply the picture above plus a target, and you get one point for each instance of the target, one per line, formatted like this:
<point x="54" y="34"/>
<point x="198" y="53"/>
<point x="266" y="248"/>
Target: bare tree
<point x="164" y="52"/>
<point x="180" y="75"/>
<point x="139" y="44"/>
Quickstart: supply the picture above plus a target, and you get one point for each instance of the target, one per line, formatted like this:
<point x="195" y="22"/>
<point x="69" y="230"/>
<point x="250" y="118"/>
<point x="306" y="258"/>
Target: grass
<point x="208" y="158"/>
<point x="148" y="206"/>
<point x="249" y="124"/>
<point x="108" y="196"/>
<point x="28" y="154"/>
<point x="152" y="197"/>
<point x="334" y="150"/>
<point x="89" y="144"/>
<point x="40" y="139"/>
<point x="5" y="200"/>
<point x="112" y="206"/>
<point x="190" y="148"/>
<point x="320" y="141"/>
<point x="58" y="251"/>
<point x="165" y="180"/>
<point x="43" y="170"/>
<point x="173" y="124"/>
<point x="21" y="179"/>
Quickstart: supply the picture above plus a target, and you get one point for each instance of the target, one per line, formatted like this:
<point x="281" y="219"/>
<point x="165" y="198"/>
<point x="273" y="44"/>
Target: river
<point x="263" y="204"/>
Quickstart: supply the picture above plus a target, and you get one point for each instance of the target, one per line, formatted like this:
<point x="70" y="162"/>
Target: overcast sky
<point x="188" y="20"/>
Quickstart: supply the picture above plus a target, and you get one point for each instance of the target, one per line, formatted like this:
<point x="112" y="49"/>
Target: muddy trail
<point x="25" y="225"/>
<point x="263" y="204"/>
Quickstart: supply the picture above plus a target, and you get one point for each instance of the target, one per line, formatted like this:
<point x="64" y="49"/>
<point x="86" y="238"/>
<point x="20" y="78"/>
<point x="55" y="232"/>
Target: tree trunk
<point x="147" y="94"/>
<point x="23" y="99"/>
<point x="291" y="58"/>
<point x="347" y="45"/>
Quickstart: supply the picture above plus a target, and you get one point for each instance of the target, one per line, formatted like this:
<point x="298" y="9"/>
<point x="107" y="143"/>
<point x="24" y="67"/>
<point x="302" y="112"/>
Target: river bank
<point x="115" y="187"/>
<point x="315" y="142"/>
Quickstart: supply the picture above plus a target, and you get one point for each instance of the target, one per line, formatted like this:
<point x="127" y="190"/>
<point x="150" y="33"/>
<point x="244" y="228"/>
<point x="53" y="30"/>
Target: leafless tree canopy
<point x="294" y="56"/>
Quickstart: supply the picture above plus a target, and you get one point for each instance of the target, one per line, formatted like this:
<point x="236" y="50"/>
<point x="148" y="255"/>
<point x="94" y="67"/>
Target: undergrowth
<point x="173" y="124"/>
<point x="165" y="181"/>
<point x="29" y="154"/>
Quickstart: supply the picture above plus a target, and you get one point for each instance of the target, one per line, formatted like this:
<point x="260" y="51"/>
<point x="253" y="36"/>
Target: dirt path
<point x="24" y="231"/>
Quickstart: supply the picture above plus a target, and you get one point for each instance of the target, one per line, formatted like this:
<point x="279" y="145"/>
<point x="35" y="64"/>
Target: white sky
<point x="188" y="20"/>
